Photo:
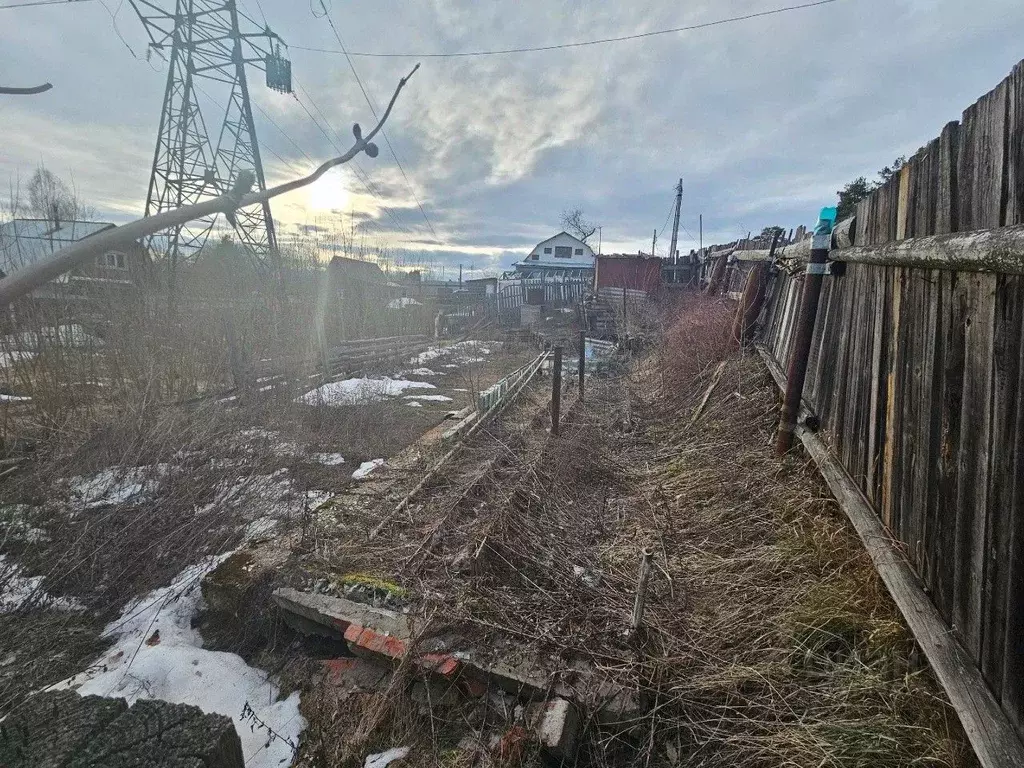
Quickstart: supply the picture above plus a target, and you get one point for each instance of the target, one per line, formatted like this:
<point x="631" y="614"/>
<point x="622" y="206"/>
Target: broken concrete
<point x="558" y="728"/>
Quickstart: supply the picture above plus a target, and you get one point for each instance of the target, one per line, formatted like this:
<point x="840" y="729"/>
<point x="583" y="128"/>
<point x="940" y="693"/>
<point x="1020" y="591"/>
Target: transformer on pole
<point x="211" y="42"/>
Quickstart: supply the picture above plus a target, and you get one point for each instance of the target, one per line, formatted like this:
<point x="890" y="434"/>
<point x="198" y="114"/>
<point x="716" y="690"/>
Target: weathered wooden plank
<point x="1006" y="375"/>
<point x="993" y="250"/>
<point x="913" y="409"/>
<point x="950" y="376"/>
<point x="897" y="353"/>
<point x="926" y="184"/>
<point x="926" y="462"/>
<point x="1015" y="148"/>
<point x="847" y="292"/>
<point x="864" y="221"/>
<point x="981" y="172"/>
<point x="978" y="293"/>
<point x="947" y="199"/>
<point x="1009" y="471"/>
<point x="993" y="738"/>
<point x="903" y="200"/>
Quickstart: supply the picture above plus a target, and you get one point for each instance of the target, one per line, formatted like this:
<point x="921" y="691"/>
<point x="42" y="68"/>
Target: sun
<point x="329" y="193"/>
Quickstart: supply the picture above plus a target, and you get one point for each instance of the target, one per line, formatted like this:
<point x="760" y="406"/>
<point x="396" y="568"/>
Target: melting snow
<point x="328" y="459"/>
<point x="350" y="391"/>
<point x="173" y="666"/>
<point x="366" y="468"/>
<point x="117" y="485"/>
<point x="424" y="372"/>
<point x="403" y="302"/>
<point x="15" y="589"/>
<point x="14" y="399"/>
<point x="414" y="404"/>
<point x="383" y="759"/>
<point x="433" y="398"/>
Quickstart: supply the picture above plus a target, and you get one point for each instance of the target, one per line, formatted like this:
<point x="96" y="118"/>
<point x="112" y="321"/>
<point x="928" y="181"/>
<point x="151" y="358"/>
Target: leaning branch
<point x="30" y="278"/>
<point x="6" y="90"/>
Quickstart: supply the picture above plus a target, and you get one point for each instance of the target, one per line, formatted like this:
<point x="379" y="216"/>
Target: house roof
<point x="26" y="241"/>
<point x="356" y="269"/>
<point x="563" y="232"/>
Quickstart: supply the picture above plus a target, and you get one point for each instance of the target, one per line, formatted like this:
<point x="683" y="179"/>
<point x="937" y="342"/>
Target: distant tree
<point x="852" y="194"/>
<point x="860" y="188"/>
<point x="769" y="232"/>
<point x="576" y="224"/>
<point x="49" y="197"/>
<point x="891" y="170"/>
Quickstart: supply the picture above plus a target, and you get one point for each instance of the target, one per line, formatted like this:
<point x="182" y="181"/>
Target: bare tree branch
<point x="25" y="280"/>
<point x="576" y="224"/>
<point x="30" y="91"/>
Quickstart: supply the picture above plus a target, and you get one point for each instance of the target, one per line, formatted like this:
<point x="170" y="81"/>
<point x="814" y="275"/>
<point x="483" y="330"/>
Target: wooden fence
<point x="915" y="375"/>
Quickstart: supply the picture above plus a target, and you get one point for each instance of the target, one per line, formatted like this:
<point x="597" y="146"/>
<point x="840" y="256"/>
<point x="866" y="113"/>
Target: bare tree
<point x="576" y="224"/>
<point x="50" y="197"/>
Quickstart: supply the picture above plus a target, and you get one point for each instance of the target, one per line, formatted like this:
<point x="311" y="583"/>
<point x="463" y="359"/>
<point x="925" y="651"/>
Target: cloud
<point x="762" y="119"/>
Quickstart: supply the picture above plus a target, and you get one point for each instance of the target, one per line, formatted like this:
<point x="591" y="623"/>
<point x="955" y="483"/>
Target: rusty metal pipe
<point x="804" y="336"/>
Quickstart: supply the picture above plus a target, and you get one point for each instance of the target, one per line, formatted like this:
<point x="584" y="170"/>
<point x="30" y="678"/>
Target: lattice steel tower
<point x="209" y="52"/>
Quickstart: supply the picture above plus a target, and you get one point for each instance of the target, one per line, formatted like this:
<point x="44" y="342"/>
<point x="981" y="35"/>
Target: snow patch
<point x="414" y="404"/>
<point x="383" y="759"/>
<point x="118" y="485"/>
<point x="158" y="655"/>
<point x="16" y="589"/>
<point x="328" y="459"/>
<point x="366" y="468"/>
<point x="351" y="391"/>
<point x="432" y="398"/>
<point x="404" y="302"/>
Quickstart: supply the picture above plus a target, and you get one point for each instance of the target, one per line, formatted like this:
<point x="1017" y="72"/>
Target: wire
<point x="32" y="3"/>
<point x="602" y="41"/>
<point x="373" y="111"/>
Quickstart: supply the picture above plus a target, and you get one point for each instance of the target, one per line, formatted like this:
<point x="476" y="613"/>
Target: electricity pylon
<point x="208" y="47"/>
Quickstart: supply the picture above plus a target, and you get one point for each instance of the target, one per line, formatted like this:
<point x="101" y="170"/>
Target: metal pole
<point x="556" y="390"/>
<point x="804" y="336"/>
<point x="583" y="359"/>
<point x="675" y="225"/>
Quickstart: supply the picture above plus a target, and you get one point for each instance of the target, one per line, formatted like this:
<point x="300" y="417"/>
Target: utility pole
<point x="675" y="224"/>
<point x="460" y="275"/>
<point x="654" y="243"/>
<point x="599" y="234"/>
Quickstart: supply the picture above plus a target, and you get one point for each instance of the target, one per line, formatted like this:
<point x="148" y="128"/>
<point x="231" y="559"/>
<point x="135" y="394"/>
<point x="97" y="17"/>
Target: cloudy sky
<point x="763" y="119"/>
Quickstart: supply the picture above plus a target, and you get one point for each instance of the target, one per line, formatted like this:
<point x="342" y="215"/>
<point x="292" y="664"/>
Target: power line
<point x="32" y="3"/>
<point x="373" y="111"/>
<point x="582" y="44"/>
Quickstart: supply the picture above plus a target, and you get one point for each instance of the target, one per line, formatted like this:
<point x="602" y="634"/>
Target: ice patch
<point x="351" y="391"/>
<point x="158" y="655"/>
<point x="366" y="468"/>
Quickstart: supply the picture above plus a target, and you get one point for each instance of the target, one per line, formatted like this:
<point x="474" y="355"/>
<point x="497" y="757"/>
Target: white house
<point x="562" y="255"/>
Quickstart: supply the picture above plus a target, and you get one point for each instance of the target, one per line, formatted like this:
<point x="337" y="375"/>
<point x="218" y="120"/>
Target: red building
<point x="633" y="273"/>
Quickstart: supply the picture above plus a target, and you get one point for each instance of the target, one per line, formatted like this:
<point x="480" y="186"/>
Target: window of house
<point x="579" y="251"/>
<point x="547" y="250"/>
<point x="535" y="257"/>
<point x="113" y="260"/>
<point x="563" y="252"/>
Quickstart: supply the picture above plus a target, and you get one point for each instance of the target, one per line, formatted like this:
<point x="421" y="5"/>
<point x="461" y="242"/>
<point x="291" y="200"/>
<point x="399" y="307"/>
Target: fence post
<point x="556" y="390"/>
<point x="583" y="359"/>
<point x="804" y="336"/>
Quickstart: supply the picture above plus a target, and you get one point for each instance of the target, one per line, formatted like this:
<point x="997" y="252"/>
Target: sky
<point x="763" y="119"/>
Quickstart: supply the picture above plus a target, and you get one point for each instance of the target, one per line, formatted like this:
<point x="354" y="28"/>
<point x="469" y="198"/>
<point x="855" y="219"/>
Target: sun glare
<point x="329" y="193"/>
